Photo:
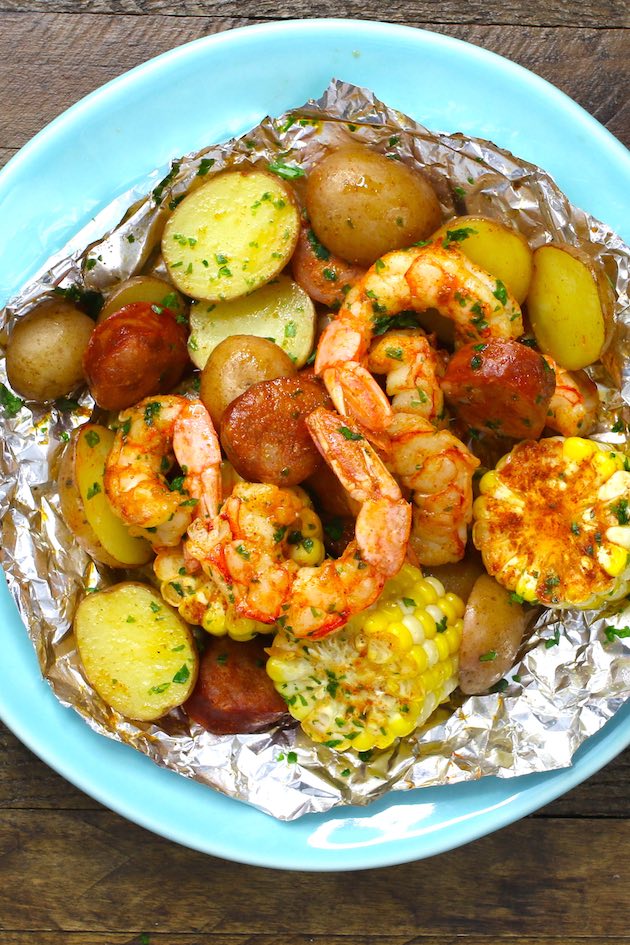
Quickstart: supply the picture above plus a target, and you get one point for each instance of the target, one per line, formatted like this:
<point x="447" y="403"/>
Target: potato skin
<point x="264" y="432"/>
<point x="501" y="386"/>
<point x="143" y="289"/>
<point x="361" y="204"/>
<point x="45" y="351"/>
<point x="494" y="626"/>
<point x="134" y="353"/>
<point x="235" y="364"/>
<point x="234" y="695"/>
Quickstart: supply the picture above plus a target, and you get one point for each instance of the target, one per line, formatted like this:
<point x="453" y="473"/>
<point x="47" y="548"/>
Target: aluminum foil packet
<point x="574" y="671"/>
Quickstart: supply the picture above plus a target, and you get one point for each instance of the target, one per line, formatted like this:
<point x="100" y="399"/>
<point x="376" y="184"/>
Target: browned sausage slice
<point x="138" y="351"/>
<point x="501" y="386"/>
<point x="264" y="432"/>
<point x="233" y="693"/>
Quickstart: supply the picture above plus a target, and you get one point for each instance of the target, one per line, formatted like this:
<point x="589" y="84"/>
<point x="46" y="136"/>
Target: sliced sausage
<point x="501" y="386"/>
<point x="264" y="432"/>
<point x="233" y="693"/>
<point x="326" y="278"/>
<point x="138" y="351"/>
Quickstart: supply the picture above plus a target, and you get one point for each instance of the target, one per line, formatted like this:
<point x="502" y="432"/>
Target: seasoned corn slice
<point x="553" y="522"/>
<point x="380" y="676"/>
<point x="199" y="601"/>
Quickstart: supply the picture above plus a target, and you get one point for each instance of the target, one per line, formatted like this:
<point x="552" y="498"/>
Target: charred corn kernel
<point x="557" y="527"/>
<point x="456" y="603"/>
<point x="311" y="526"/>
<point x="489" y="483"/>
<point x="309" y="553"/>
<point x="378" y="677"/>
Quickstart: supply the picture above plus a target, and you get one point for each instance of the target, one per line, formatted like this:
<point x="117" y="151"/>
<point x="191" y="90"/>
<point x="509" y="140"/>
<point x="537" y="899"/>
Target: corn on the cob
<point x="199" y="601"/>
<point x="553" y="522"/>
<point x="381" y="675"/>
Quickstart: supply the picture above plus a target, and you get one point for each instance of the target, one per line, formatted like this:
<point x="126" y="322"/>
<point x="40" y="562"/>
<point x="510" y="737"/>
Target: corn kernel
<point x="392" y="610"/>
<point x="400" y="725"/>
<point x="364" y="741"/>
<point x="311" y="556"/>
<point x="489" y="483"/>
<point x="420" y="658"/>
<point x="604" y="464"/>
<point x="526" y="587"/>
<point x="613" y="559"/>
<point x="423" y="593"/>
<point x="311" y="526"/>
<point x="480" y="507"/>
<point x="286" y="670"/>
<point x="619" y="535"/>
<point x="576" y="448"/>
<point x="442" y="646"/>
<point x="427" y="621"/>
<point x="453" y="639"/>
<point x="240" y="628"/>
<point x="457" y="603"/>
<point x="414" y="627"/>
<point x="376" y="622"/>
<point x="437" y="586"/>
<point x="447" y="609"/>
<point x="401" y="638"/>
<point x="214" y="620"/>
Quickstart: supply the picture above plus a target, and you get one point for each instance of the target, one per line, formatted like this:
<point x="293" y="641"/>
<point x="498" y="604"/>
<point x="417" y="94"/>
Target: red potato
<point x="264" y="432"/>
<point x="501" y="386"/>
<point x="326" y="278"/>
<point x="139" y="351"/>
<point x="234" y="695"/>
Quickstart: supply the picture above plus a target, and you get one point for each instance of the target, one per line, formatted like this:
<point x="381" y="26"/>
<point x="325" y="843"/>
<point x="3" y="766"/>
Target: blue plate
<point x="204" y="92"/>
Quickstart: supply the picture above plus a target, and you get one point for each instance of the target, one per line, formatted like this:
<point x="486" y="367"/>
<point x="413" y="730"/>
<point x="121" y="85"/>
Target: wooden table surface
<point x="72" y="872"/>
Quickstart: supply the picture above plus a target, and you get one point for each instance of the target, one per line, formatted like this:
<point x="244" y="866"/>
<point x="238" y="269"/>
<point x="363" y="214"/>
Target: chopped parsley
<point x="151" y="411"/>
<point x="620" y="509"/>
<point x="182" y="674"/>
<point x="349" y="434"/>
<point x="9" y="402"/>
<point x="93" y="490"/>
<point x="204" y="166"/>
<point x="286" y="171"/>
<point x="488" y="657"/>
<point x="622" y="633"/>
<point x="500" y="292"/>
<point x="457" y="236"/>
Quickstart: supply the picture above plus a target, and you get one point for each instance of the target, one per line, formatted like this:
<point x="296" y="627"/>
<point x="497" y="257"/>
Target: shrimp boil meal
<point x="340" y="451"/>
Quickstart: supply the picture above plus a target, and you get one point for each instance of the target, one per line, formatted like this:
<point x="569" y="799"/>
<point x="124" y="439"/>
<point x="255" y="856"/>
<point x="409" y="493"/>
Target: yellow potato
<point x="45" y="351"/>
<point x="136" y="651"/>
<point x="143" y="289"/>
<point x="235" y="364"/>
<point x="85" y="506"/>
<point x="281" y="312"/>
<point x="494" y="626"/>
<point x="232" y="235"/>
<point x="570" y="305"/>
<point x="362" y="204"/>
<point x="495" y="247"/>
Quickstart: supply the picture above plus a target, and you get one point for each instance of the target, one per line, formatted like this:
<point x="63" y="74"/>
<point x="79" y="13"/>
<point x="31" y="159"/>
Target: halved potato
<point x="282" y="312"/>
<point x="570" y="305"/>
<point x="231" y="235"/>
<point x="85" y="506"/>
<point x="136" y="651"/>
<point x="494" y="626"/>
<point x="495" y="247"/>
<point x="143" y="289"/>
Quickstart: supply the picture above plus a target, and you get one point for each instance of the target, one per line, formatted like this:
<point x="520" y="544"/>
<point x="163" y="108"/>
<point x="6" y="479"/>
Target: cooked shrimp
<point x="150" y="437"/>
<point x="412" y="366"/>
<point x="575" y="402"/>
<point x="247" y="550"/>
<point x="431" y="276"/>
<point x="439" y="469"/>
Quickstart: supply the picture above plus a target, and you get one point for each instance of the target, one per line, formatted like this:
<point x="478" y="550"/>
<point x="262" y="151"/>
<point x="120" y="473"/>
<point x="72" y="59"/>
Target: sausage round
<point x="138" y="351"/>
<point x="264" y="432"/>
<point x="233" y="693"/>
<point x="501" y="386"/>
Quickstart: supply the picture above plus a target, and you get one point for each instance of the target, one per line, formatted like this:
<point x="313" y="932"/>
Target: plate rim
<point x="612" y="737"/>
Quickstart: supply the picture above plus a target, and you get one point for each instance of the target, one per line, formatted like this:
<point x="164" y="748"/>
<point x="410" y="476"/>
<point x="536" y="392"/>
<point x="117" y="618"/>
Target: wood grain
<point x="590" y="65"/>
<point x="513" y="12"/>
<point x="563" y="875"/>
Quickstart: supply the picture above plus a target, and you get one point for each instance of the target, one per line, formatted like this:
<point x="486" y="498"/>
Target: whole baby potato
<point x="362" y="204"/>
<point x="45" y="351"/>
<point x="235" y="364"/>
